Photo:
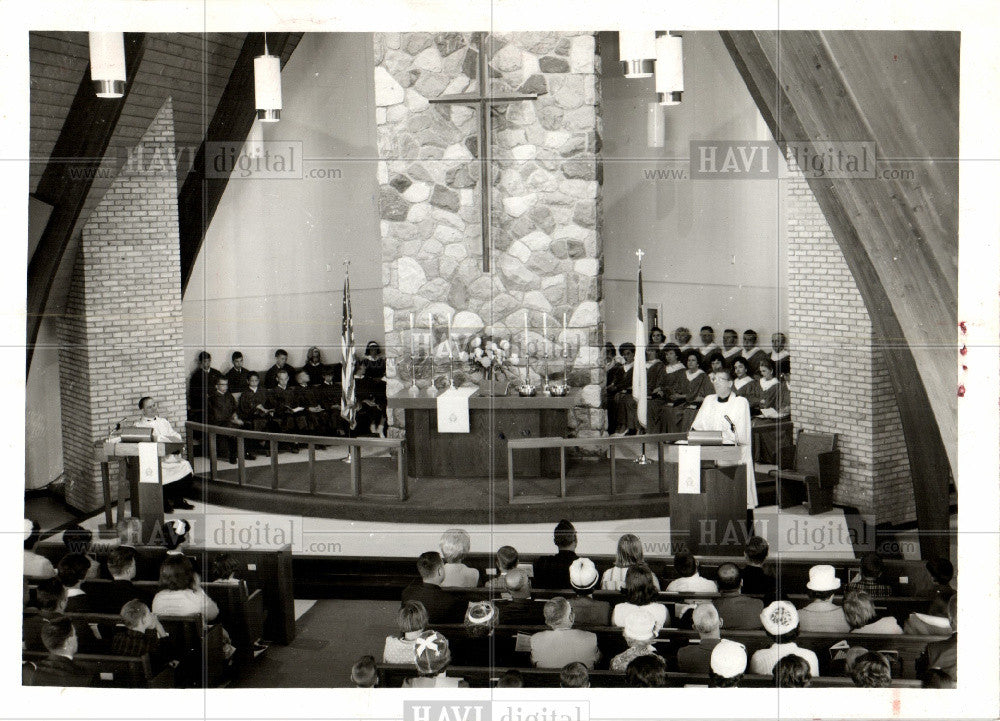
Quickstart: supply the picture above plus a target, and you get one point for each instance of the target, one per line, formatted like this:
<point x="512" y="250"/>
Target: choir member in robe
<point x="682" y="337"/>
<point x="314" y="366"/>
<point x="744" y="385"/>
<point x="200" y="386"/>
<point x="223" y="411"/>
<point x="692" y="389"/>
<point x="774" y="394"/>
<point x="237" y="375"/>
<point x="305" y="398"/>
<point x="751" y="352"/>
<point x="727" y="412"/>
<point x="614" y="376"/>
<point x="329" y="395"/>
<point x="730" y="346"/>
<point x="779" y="354"/>
<point x="714" y="363"/>
<point x="287" y="413"/>
<point x="659" y="383"/>
<point x="280" y="364"/>
<point x="656" y="337"/>
<point x="708" y="344"/>
<point x="371" y="391"/>
<point x="254" y="410"/>
<point x="624" y="394"/>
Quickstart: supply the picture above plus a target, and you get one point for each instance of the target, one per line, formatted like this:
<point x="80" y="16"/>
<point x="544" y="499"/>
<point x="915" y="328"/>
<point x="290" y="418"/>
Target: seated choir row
<point x="730" y="347"/>
<point x="436" y="599"/>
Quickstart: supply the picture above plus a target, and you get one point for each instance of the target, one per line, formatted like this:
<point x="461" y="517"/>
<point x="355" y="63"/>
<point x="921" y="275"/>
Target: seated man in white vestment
<point x="727" y="412"/>
<point x="176" y="471"/>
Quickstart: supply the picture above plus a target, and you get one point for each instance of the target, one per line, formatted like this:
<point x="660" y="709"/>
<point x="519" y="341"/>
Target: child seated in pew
<point x="363" y="672"/>
<point x="181" y="594"/>
<point x="506" y="559"/>
<point x="432" y="657"/>
<point x="412" y="622"/>
<point x="574" y="675"/>
<point x="639" y="594"/>
<point x="629" y="554"/>
<point x="141" y="634"/>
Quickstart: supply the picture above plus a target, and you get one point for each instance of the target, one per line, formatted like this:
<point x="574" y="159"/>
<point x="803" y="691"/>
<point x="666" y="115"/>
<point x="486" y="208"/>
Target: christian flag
<point x="639" y="367"/>
<point x="348" y="400"/>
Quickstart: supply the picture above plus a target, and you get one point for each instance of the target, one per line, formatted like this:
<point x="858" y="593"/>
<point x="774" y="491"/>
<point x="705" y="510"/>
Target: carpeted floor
<point x="331" y="636"/>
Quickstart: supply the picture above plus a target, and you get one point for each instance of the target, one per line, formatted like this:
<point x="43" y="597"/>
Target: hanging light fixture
<point x="107" y="64"/>
<point x="637" y="51"/>
<point x="669" y="68"/>
<point x="267" y="86"/>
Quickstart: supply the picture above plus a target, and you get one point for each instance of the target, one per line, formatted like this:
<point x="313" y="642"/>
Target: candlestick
<point x="413" y="339"/>
<point x="545" y="335"/>
<point x="525" y="334"/>
<point x="565" y="342"/>
<point x="449" y="339"/>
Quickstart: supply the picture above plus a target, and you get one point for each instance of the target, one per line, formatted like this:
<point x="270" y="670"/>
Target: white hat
<point x="823" y="578"/>
<point x="779" y="617"/>
<point x="729" y="658"/>
<point x="583" y="573"/>
<point x="640" y="625"/>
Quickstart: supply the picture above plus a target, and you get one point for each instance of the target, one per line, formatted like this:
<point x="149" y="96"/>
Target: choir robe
<point x="284" y="400"/>
<point x="271" y="377"/>
<point x="306" y="398"/>
<point x="315" y="371"/>
<point x="774" y="394"/>
<point x="654" y="374"/>
<point x="748" y="388"/>
<point x="730" y="355"/>
<point x="249" y="413"/>
<point x="201" y="385"/>
<point x="624" y="391"/>
<point x="239" y="379"/>
<point x="614" y="377"/>
<point x="329" y="395"/>
<point x="754" y="356"/>
<point x="695" y="389"/>
<point x="661" y="383"/>
<point x="782" y="363"/>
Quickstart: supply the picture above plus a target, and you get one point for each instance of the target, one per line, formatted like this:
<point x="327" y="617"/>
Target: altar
<point x="483" y="450"/>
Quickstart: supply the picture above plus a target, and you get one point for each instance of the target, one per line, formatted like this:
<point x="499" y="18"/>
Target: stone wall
<point x="840" y="382"/>
<point x="122" y="334"/>
<point x="546" y="254"/>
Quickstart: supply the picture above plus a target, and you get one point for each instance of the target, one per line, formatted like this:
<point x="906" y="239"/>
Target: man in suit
<point x="516" y="607"/>
<point x="110" y="597"/>
<point x="583" y="577"/>
<point x="697" y="657"/>
<point x="738" y="612"/>
<point x="943" y="654"/>
<point x="553" y="571"/>
<point x="201" y="384"/>
<point x="442" y="606"/>
<point x="59" y="668"/>
<point x="562" y="644"/>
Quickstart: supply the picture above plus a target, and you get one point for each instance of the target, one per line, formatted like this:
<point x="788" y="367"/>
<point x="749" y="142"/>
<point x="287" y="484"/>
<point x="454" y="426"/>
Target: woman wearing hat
<point x="432" y="657"/>
<point x="781" y="623"/>
<point x="823" y="615"/>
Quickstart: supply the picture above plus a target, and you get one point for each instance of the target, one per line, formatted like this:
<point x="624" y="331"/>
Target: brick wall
<point x="840" y="382"/>
<point x="122" y="335"/>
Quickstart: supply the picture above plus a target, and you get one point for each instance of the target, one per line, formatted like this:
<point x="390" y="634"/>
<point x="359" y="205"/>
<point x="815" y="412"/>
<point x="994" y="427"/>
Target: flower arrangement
<point x="488" y="356"/>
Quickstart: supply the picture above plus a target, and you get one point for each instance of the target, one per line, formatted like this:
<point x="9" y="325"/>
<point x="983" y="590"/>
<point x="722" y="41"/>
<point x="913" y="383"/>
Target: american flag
<point x="348" y="400"/>
<point x="639" y="367"/>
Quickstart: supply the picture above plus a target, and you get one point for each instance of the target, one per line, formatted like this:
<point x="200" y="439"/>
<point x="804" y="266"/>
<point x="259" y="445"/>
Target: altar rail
<point x="210" y="433"/>
<point x="656" y="440"/>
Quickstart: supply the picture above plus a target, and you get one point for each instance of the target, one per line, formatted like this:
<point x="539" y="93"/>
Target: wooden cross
<point x="484" y="102"/>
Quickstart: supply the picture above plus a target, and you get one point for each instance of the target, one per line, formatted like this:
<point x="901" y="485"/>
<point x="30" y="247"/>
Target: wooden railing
<point x="656" y="440"/>
<point x="210" y="433"/>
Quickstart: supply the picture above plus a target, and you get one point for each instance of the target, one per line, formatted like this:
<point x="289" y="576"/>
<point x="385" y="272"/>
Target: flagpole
<point x="639" y="371"/>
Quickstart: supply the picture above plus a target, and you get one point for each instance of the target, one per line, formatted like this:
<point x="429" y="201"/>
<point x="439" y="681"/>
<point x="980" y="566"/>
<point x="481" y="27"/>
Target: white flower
<point x="478" y="352"/>
<point x="463" y="356"/>
<point x="476" y="342"/>
<point x="505" y="345"/>
<point x="484" y="362"/>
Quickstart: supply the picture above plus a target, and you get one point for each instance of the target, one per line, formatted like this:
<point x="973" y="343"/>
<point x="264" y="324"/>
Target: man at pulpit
<point x="727" y="412"/>
<point x="176" y="471"/>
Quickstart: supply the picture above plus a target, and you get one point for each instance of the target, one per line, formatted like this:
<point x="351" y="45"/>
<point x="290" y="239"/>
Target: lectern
<point x="711" y="522"/>
<point x="145" y="481"/>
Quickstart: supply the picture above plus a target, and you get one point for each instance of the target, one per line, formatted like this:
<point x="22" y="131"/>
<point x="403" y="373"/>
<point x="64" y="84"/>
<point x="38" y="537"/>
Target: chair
<point x="813" y="472"/>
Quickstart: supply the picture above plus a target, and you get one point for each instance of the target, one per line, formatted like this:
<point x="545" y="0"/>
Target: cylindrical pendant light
<point x="267" y="86"/>
<point x="107" y="64"/>
<point x="669" y="69"/>
<point x="656" y="126"/>
<point x="637" y="52"/>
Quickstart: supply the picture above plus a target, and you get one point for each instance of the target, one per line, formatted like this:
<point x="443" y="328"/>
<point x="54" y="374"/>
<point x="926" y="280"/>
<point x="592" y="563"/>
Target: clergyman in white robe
<point x="712" y="416"/>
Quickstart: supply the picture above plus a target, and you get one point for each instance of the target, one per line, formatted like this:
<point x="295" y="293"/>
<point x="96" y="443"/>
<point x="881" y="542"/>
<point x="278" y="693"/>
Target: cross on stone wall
<point x="484" y="102"/>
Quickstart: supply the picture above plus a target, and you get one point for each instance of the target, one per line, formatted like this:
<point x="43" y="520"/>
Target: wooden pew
<point x="611" y="642"/>
<point x="116" y="671"/>
<point x="269" y="570"/>
<point x="393" y="675"/>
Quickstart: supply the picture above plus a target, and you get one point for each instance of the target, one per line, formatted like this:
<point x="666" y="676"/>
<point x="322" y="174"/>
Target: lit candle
<point x="413" y="339"/>
<point x="545" y="334"/>
<point x="525" y="334"/>
<point x="450" y="357"/>
<point x="565" y="342"/>
<point x="430" y="334"/>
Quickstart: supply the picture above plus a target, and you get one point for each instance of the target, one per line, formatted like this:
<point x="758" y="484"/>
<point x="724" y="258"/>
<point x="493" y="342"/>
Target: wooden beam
<point x="234" y="116"/>
<point x="82" y="143"/>
<point x="894" y="256"/>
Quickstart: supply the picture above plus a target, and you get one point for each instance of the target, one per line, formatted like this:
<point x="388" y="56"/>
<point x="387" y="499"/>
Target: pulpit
<point x="712" y="521"/>
<point x="144" y="478"/>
